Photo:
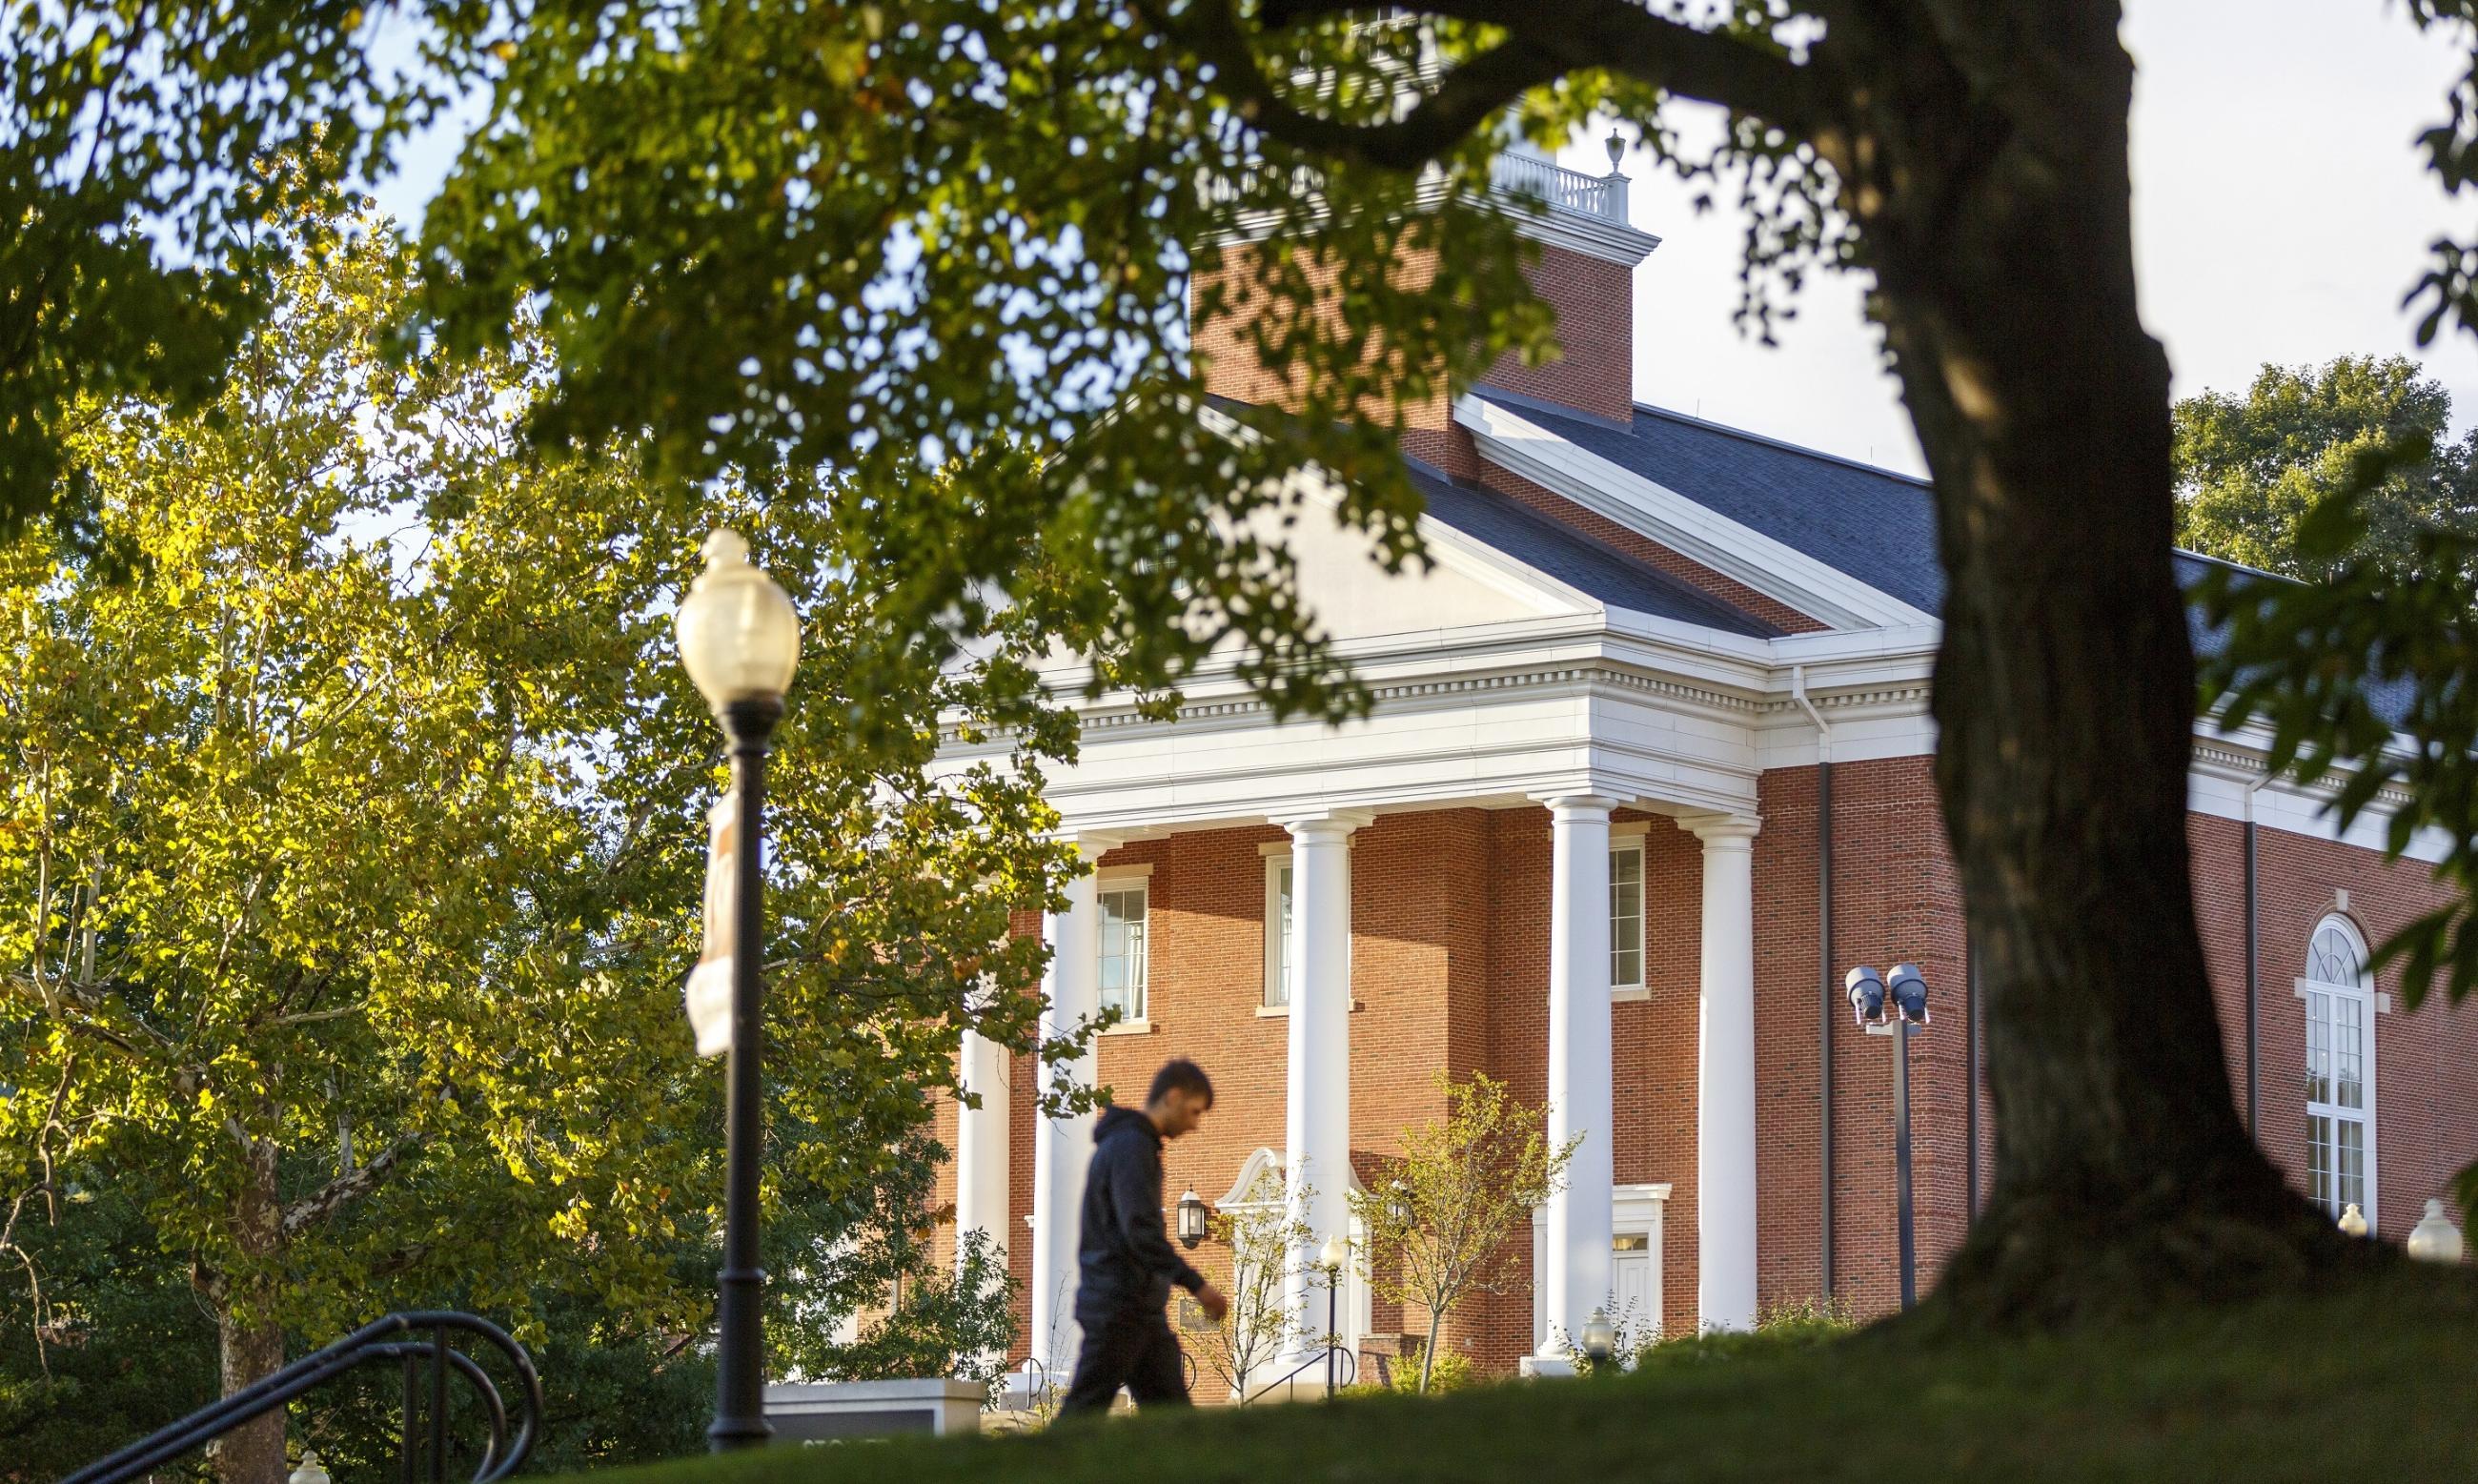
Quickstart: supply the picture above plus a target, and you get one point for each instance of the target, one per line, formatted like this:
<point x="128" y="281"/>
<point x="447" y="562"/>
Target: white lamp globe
<point x="1336" y="1254"/>
<point x="1600" y="1336"/>
<point x="2435" y="1239"/>
<point x="739" y="637"/>
<point x="310" y="1471"/>
<point x="2353" y="1221"/>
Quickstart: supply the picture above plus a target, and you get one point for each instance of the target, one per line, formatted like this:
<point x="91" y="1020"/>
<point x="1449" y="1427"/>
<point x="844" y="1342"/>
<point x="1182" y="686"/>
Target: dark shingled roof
<point x="1874" y="524"/>
<point x="2390" y="699"/>
<point x="1569" y="556"/>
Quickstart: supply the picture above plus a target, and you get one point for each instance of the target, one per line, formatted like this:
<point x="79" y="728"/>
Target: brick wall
<point x="1594" y="301"/>
<point x="1231" y="369"/>
<point x="2426" y="1062"/>
<point x="1450" y="964"/>
<point x="1595" y="304"/>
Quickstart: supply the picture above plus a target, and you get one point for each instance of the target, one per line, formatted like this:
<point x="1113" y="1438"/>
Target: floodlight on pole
<point x="1895" y="1007"/>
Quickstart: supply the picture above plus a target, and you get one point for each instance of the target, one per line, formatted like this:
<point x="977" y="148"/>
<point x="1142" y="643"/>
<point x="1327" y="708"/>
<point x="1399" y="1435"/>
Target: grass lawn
<point x="2380" y="1381"/>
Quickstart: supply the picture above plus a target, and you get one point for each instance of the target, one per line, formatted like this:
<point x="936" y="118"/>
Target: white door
<point x="1631" y="1279"/>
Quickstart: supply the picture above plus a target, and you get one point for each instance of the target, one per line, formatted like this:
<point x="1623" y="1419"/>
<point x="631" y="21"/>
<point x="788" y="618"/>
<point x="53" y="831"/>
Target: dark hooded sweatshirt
<point x="1123" y="1257"/>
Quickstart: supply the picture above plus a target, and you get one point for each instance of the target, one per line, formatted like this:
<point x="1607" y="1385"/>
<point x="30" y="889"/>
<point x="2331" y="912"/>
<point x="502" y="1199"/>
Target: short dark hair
<point x="1180" y="1075"/>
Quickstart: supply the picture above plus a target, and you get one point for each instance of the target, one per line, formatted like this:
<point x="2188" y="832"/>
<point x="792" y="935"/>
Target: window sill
<point x="1280" y="1011"/>
<point x="1633" y="994"/>
<point x="1130" y="1028"/>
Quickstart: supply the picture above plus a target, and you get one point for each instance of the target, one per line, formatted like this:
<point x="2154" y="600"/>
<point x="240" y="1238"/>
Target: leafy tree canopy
<point x="2250" y="468"/>
<point x="352" y="832"/>
<point x="851" y="237"/>
<point x="826" y="243"/>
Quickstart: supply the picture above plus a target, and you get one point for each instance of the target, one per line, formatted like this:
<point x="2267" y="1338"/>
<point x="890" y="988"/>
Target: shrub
<point x="1454" y="1371"/>
<point x="1788" y="1326"/>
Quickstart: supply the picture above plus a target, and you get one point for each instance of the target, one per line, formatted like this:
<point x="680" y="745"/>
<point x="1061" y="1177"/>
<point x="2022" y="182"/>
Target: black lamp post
<point x="1335" y="1253"/>
<point x="1191" y="1219"/>
<point x="1895" y="1008"/>
<point x="740" y="642"/>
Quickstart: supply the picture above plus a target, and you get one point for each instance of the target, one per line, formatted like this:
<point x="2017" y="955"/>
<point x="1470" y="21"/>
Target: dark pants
<point x="1135" y="1350"/>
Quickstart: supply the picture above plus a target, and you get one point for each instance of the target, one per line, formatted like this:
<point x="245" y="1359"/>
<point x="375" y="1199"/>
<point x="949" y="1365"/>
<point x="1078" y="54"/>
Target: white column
<point x="981" y="1191"/>
<point x="1725" y="1102"/>
<point x="1070" y="994"/>
<point x="1316" y="1143"/>
<point x="1576" y="1228"/>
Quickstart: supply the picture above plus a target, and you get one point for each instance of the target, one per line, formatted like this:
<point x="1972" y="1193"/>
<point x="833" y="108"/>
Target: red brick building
<point x="1578" y="845"/>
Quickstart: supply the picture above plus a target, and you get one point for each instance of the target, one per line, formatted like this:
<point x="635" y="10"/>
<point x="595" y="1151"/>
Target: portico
<point x="1512" y="711"/>
<point x="1152" y="790"/>
<point x="1557" y="1048"/>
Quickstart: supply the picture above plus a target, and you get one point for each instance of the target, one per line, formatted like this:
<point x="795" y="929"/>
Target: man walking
<point x="1124" y="1261"/>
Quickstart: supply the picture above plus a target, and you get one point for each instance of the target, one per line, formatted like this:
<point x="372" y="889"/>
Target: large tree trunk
<point x="1994" y="201"/>
<point x="250" y="1341"/>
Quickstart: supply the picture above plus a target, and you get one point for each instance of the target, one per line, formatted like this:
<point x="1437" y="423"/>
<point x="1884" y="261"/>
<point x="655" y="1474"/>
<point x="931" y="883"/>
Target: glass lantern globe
<point x="2435" y="1239"/>
<point x="310" y="1471"/>
<point x="1600" y="1336"/>
<point x="739" y="638"/>
<point x="1336" y="1254"/>
<point x="2353" y="1221"/>
<point x="1191" y="1219"/>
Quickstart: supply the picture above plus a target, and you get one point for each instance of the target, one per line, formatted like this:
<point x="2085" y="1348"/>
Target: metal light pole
<point x="740" y="642"/>
<point x="1895" y="1008"/>
<point x="1336" y="1252"/>
<point x="1908" y="1242"/>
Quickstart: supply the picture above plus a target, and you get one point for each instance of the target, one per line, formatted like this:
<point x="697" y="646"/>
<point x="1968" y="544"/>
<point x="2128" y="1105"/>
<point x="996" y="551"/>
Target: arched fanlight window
<point x="2336" y="955"/>
<point x="2340" y="1069"/>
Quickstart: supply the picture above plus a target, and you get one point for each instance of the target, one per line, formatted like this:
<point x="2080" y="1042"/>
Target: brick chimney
<point x="1585" y="271"/>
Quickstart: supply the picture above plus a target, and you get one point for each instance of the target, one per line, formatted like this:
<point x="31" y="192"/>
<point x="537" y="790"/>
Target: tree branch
<point x="1619" y="36"/>
<point x="1461" y="101"/>
<point x="345" y="1188"/>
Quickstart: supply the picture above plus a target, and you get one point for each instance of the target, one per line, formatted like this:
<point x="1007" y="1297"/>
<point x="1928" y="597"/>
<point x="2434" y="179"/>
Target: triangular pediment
<point x="1464" y="582"/>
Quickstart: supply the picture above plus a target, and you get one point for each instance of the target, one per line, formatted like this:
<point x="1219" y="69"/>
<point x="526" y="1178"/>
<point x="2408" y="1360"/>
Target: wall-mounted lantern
<point x="1191" y="1219"/>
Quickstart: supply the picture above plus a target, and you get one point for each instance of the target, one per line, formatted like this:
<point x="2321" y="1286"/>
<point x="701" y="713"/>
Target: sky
<point x="2280" y="214"/>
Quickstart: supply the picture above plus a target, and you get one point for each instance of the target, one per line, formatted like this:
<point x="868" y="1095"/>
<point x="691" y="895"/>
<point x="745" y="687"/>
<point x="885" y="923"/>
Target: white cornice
<point x="1109" y="718"/>
<point x="1778" y="572"/>
<point x="1579" y="232"/>
<point x="1592" y="237"/>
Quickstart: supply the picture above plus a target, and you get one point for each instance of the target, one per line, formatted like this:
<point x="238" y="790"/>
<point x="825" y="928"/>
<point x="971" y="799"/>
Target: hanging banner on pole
<point x="708" y="987"/>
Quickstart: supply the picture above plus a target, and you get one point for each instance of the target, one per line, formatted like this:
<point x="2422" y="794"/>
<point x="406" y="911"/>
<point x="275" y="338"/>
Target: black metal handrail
<point x="376" y="1341"/>
<point x="1332" y="1351"/>
<point x="1041" y="1384"/>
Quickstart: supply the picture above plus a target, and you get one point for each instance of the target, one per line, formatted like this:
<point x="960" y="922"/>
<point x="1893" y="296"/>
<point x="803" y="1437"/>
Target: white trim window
<point x="2340" y="1069"/>
<point x="1626" y="915"/>
<point x="1278" y="932"/>
<point x="1123" y="949"/>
